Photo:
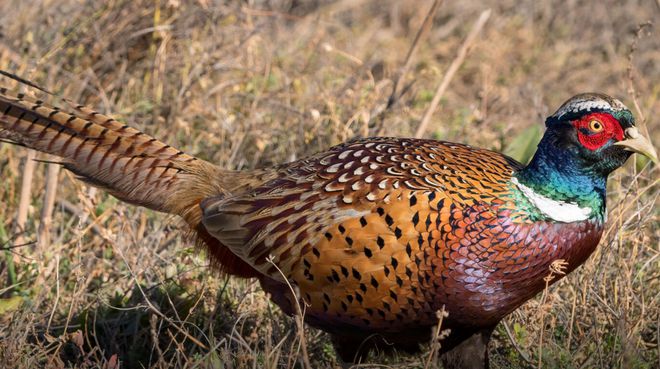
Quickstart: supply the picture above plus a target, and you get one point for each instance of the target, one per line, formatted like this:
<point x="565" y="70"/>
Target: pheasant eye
<point x="595" y="125"/>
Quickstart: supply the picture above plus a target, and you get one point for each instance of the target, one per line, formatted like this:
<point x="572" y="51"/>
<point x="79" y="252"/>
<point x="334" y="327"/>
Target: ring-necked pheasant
<point x="378" y="234"/>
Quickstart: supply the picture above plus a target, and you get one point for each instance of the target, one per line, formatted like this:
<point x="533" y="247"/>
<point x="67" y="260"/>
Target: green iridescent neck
<point x="561" y="178"/>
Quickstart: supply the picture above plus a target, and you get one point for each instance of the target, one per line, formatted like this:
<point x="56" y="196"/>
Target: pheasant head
<point x="586" y="139"/>
<point x="600" y="130"/>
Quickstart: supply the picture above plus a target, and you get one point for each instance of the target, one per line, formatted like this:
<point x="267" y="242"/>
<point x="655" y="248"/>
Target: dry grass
<point x="250" y="84"/>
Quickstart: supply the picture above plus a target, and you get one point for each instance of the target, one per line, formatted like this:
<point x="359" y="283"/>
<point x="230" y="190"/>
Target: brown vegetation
<point x="251" y="84"/>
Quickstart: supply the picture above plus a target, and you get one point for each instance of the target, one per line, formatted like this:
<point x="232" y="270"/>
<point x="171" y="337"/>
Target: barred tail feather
<point x="127" y="163"/>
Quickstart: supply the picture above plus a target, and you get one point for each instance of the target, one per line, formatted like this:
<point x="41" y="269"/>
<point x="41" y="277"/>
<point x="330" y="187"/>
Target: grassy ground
<point x="250" y="84"/>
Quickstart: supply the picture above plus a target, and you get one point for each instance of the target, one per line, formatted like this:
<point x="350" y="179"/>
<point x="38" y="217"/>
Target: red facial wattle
<point x="595" y="139"/>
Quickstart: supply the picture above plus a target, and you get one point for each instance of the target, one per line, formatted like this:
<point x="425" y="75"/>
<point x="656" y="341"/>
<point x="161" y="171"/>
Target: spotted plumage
<point x="376" y="234"/>
<point x="381" y="233"/>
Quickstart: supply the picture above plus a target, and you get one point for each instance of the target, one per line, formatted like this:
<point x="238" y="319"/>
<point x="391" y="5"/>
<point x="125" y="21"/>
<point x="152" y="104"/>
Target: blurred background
<point x="90" y="282"/>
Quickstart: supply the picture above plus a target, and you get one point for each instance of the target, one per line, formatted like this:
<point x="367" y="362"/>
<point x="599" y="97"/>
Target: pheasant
<point x="376" y="234"/>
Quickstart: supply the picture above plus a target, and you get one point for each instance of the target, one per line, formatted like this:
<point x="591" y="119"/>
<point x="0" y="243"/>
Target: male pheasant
<point x="377" y="234"/>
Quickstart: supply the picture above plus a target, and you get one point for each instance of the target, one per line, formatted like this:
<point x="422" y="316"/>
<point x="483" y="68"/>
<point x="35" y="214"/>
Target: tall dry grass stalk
<point x="557" y="268"/>
<point x="436" y="337"/>
<point x="50" y="193"/>
<point x="299" y="318"/>
<point x="451" y="71"/>
<point x="25" y="199"/>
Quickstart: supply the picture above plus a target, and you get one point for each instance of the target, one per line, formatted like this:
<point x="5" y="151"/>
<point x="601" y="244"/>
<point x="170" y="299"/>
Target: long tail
<point x="127" y="163"/>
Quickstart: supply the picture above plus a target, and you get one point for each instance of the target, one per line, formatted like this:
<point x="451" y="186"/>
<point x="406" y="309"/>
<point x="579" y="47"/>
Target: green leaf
<point x="10" y="304"/>
<point x="523" y="146"/>
<point x="520" y="333"/>
<point x="640" y="162"/>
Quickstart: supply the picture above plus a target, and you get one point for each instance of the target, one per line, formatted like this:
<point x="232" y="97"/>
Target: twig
<point x="455" y="64"/>
<point x="327" y="47"/>
<point x="3" y="247"/>
<point x="74" y="210"/>
<point x="58" y="294"/>
<point x="571" y="321"/>
<point x="426" y="25"/>
<point x="398" y="91"/>
<point x="24" y="81"/>
<point x="154" y="331"/>
<point x="630" y="68"/>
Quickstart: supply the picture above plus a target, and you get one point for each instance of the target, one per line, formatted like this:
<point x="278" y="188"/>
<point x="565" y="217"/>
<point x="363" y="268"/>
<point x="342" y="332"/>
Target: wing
<point x="346" y="203"/>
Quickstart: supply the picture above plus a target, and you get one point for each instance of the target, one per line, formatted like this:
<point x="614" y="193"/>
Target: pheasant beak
<point x="635" y="142"/>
